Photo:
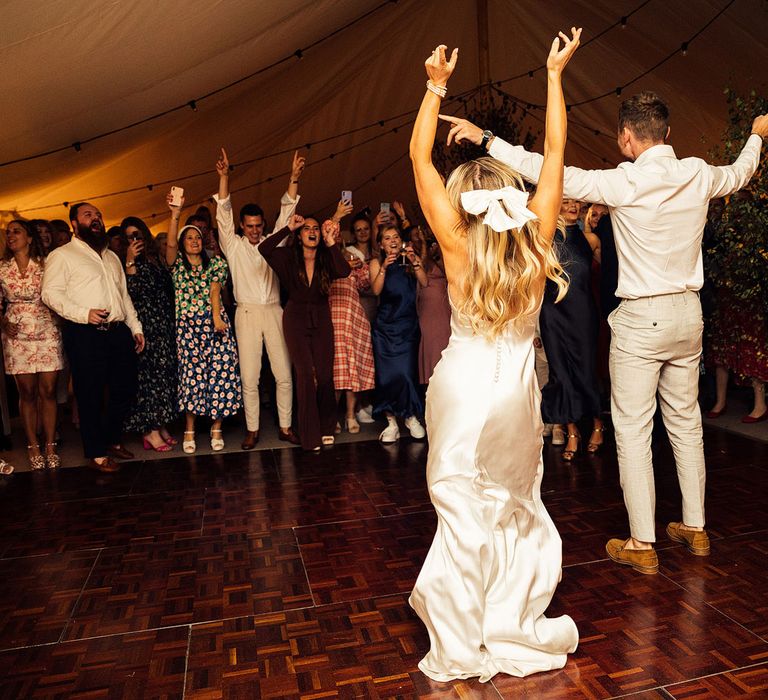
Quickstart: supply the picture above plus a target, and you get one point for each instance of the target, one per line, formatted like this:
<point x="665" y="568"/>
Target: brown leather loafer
<point x="119" y="452"/>
<point x="643" y="560"/>
<point x="696" y="541"/>
<point x="288" y="436"/>
<point x="250" y="439"/>
<point x="108" y="465"/>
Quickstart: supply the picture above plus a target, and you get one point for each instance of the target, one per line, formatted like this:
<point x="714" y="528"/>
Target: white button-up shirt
<point x="253" y="279"/>
<point x="78" y="279"/>
<point x="658" y="207"/>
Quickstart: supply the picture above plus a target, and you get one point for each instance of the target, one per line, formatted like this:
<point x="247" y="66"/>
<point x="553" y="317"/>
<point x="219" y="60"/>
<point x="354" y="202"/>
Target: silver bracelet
<point x="440" y="91"/>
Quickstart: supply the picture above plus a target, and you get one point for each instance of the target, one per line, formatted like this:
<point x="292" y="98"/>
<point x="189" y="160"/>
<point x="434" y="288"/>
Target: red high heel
<point x="716" y="414"/>
<point x="755" y="419"/>
<point x="160" y="448"/>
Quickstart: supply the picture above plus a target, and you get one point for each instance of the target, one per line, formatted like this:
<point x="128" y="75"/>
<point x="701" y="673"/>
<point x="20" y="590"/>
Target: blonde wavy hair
<point x="507" y="270"/>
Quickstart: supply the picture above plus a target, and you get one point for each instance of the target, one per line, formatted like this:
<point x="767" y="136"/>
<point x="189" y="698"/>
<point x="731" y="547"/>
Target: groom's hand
<point x="462" y="129"/>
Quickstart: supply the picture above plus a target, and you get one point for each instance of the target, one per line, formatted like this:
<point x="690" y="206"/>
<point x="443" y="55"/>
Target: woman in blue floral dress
<point x="209" y="380"/>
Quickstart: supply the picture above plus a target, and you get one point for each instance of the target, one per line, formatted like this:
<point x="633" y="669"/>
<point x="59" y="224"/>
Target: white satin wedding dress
<point x="495" y="561"/>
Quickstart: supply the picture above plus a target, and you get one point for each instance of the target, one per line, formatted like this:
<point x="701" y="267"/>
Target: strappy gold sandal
<point x="568" y="455"/>
<point x="593" y="447"/>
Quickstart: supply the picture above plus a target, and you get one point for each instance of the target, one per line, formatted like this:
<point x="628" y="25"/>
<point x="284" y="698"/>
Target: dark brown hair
<point x="646" y="115"/>
<point x="322" y="261"/>
<point x="36" y="251"/>
<point x="150" y="247"/>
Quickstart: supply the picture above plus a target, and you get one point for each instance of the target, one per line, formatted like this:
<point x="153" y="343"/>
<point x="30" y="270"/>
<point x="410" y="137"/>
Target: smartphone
<point x="346" y="196"/>
<point x="176" y="194"/>
<point x="385" y="207"/>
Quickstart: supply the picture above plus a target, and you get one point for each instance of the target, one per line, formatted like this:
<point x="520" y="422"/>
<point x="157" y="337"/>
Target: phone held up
<point x="385" y="207"/>
<point x="176" y="195"/>
<point x="346" y="196"/>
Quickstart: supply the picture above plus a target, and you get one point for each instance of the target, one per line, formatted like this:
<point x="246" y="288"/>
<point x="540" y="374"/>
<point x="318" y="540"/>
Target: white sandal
<point x="217" y="444"/>
<point x="189" y="446"/>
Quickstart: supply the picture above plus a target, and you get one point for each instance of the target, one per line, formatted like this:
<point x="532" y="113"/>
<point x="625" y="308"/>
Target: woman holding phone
<point x="151" y="290"/>
<point x="495" y="562"/>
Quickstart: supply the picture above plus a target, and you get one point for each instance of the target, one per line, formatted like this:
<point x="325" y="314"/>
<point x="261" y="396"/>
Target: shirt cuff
<point x="225" y="203"/>
<point x="287" y="199"/>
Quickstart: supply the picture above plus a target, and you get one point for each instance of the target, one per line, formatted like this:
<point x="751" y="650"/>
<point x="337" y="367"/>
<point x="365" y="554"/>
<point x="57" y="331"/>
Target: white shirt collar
<point x="661" y="150"/>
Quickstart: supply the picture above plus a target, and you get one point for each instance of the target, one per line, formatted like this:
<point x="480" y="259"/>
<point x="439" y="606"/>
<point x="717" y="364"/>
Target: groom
<point x="658" y="207"/>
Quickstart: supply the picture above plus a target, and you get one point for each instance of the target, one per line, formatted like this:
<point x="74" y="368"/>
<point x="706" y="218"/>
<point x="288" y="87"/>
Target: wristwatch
<point x="487" y="136"/>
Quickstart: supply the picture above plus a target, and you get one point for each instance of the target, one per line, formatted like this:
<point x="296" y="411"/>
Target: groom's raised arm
<point x="607" y="187"/>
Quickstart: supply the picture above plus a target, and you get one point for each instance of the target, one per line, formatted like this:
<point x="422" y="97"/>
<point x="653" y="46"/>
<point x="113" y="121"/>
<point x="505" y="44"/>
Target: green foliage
<point x="737" y="259"/>
<point x="497" y="113"/>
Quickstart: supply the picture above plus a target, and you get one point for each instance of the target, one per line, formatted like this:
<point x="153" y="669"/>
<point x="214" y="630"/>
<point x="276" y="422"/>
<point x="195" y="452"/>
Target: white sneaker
<point x="391" y="433"/>
<point x="547" y="429"/>
<point x="364" y="415"/>
<point x="416" y="429"/>
<point x="558" y="435"/>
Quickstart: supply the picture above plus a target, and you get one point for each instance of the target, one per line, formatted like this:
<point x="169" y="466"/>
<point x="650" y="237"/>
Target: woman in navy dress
<point x="395" y="335"/>
<point x="569" y="332"/>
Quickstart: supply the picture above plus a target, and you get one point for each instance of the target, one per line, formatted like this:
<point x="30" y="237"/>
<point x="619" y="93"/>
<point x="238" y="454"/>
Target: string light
<point x="684" y="48"/>
<point x="192" y="104"/>
<point x="308" y="146"/>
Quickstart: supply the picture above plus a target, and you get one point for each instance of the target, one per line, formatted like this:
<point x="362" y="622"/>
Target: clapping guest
<point x="151" y="290"/>
<point x="353" y="370"/>
<point x="31" y="340"/>
<point x="209" y="381"/>
<point x="306" y="270"/>
<point x="395" y="334"/>
<point x="84" y="283"/>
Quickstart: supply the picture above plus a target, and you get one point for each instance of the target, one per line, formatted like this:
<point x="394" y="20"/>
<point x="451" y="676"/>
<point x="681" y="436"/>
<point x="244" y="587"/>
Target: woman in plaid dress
<point x="353" y="369"/>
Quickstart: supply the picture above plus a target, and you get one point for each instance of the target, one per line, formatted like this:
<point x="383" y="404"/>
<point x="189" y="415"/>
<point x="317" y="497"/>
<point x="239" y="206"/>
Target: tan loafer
<point x="643" y="560"/>
<point x="696" y="541"/>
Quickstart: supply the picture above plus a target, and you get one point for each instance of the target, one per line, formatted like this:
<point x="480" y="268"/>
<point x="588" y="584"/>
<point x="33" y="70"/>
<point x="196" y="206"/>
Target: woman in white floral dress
<point x="31" y="340"/>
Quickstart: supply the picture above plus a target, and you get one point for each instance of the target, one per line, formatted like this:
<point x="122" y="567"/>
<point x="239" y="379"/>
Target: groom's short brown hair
<point x="646" y="115"/>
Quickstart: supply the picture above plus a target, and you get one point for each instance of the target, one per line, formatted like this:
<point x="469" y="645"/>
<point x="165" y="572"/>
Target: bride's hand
<point x="559" y="57"/>
<point x="438" y="69"/>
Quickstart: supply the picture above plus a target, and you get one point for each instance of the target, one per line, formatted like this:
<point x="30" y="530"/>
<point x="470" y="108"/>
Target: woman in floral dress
<point x="209" y="380"/>
<point x="353" y="369"/>
<point x="151" y="290"/>
<point x="31" y="340"/>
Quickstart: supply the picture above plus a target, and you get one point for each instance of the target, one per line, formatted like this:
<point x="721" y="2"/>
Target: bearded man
<point x="84" y="283"/>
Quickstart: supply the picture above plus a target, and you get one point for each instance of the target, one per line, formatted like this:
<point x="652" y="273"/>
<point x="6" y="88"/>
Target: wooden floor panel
<point x="283" y="574"/>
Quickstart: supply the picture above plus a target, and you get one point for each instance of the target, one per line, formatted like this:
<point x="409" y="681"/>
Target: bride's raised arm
<point x="442" y="218"/>
<point x="549" y="192"/>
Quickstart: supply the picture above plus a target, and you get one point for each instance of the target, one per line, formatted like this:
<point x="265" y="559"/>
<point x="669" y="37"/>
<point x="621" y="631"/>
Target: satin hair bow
<point x="488" y="202"/>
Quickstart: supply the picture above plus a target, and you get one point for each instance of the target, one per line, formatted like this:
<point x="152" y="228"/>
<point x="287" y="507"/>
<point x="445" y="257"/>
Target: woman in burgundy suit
<point x="306" y="269"/>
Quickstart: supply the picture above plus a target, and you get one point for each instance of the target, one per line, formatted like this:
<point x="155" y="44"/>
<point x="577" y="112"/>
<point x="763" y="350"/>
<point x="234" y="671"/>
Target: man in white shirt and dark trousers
<point x="259" y="316"/>
<point x="84" y="283"/>
<point x="658" y="208"/>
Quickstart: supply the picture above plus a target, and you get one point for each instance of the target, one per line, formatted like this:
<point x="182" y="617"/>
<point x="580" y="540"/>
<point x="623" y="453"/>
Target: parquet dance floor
<point x="280" y="574"/>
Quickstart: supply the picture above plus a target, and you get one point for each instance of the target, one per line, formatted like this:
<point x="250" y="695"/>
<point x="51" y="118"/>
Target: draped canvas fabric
<point x="71" y="69"/>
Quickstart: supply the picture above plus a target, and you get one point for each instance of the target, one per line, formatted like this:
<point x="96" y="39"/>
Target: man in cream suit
<point x="658" y="208"/>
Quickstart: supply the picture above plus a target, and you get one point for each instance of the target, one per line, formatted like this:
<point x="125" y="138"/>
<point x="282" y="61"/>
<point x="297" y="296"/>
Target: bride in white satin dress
<point x="496" y="558"/>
